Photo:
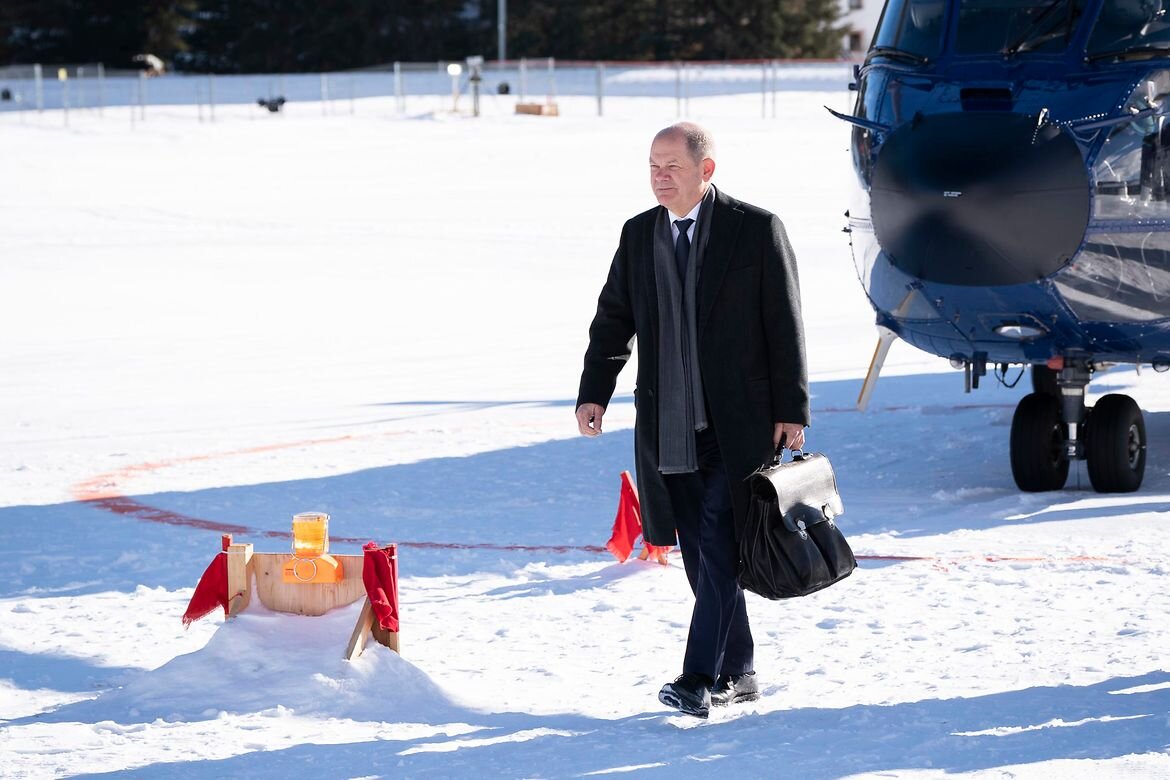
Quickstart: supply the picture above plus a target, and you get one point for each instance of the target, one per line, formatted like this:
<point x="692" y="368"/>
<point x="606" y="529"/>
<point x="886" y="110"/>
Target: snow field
<point x="384" y="318"/>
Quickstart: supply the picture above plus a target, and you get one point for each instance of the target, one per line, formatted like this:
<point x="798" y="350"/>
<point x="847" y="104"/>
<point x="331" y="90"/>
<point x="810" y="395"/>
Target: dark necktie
<point x="682" y="247"/>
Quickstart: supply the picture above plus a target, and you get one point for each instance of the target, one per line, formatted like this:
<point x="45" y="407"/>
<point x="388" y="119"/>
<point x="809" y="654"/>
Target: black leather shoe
<point x="690" y="694"/>
<point x="735" y="688"/>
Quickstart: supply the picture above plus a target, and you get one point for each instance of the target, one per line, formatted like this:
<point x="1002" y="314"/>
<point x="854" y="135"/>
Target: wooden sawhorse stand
<point x="259" y="574"/>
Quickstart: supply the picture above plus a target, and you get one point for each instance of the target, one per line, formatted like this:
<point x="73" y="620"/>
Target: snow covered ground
<point x="383" y="318"/>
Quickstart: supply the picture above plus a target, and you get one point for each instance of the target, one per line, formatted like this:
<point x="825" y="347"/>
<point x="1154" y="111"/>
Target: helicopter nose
<point x="979" y="199"/>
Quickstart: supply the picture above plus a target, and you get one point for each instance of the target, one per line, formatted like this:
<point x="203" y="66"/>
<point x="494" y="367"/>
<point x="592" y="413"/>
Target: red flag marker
<point x="627" y="525"/>
<point x="212" y="591"/>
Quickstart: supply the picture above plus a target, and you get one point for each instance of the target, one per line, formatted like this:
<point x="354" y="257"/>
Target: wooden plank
<point x="538" y="109"/>
<point x="263" y="572"/>
<point x="361" y="630"/>
<point x="384" y="637"/>
<point x="306" y="598"/>
<point x="239" y="578"/>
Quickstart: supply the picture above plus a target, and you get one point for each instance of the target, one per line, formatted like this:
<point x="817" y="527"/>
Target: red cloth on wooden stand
<point x="211" y="592"/>
<point x="627" y="525"/>
<point x="380" y="576"/>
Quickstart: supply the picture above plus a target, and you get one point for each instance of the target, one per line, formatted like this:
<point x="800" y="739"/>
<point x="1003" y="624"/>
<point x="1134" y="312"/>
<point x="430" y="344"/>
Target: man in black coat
<point x="708" y="284"/>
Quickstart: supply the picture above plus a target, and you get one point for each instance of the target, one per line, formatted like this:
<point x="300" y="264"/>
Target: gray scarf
<point x="681" y="406"/>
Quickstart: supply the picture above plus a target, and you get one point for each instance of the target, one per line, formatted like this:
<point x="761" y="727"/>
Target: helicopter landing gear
<point x="1038" y="444"/>
<point x="1044" y="381"/>
<point x="1051" y="429"/>
<point x="1115" y="445"/>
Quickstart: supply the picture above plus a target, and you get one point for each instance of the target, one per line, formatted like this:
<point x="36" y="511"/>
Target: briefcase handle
<point x="797" y="454"/>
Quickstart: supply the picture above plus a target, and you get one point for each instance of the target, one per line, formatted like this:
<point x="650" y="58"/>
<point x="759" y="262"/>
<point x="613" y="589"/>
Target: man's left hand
<point x="792" y="434"/>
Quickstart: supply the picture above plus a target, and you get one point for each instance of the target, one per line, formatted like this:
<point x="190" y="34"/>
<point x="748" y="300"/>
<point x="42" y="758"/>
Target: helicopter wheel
<point x="1038" y="444"/>
<point x="1115" y="445"/>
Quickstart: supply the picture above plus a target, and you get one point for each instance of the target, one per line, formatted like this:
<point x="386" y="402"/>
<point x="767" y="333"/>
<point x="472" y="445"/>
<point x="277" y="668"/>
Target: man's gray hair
<point x="699" y="141"/>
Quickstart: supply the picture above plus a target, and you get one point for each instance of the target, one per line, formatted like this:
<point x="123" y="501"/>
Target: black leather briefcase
<point x="790" y="545"/>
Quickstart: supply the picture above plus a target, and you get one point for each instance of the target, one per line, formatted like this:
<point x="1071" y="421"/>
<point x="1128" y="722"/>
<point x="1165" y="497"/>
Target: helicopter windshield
<point x="1011" y="27"/>
<point x="1130" y="27"/>
<point x="910" y="27"/>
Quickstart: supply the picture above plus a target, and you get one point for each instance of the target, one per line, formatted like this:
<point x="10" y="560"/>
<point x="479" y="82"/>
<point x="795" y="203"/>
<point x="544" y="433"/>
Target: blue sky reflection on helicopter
<point x="1014" y="207"/>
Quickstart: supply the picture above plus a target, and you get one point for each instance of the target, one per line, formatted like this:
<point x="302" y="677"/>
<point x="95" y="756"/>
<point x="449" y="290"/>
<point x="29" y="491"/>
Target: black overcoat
<point x="751" y="346"/>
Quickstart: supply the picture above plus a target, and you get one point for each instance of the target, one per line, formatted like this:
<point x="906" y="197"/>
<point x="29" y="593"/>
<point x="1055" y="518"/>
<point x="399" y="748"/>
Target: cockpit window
<point x="1130" y="27"/>
<point x="1013" y="27"/>
<point x="912" y="27"/>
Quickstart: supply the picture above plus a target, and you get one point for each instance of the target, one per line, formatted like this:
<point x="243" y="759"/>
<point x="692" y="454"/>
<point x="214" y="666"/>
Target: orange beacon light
<point x="311" y="561"/>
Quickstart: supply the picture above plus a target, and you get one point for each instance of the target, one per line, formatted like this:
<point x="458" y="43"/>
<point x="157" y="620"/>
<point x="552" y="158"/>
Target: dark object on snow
<point x="734" y="689"/>
<point x="790" y="546"/>
<point x="272" y="104"/>
<point x="690" y="694"/>
<point x="5" y="94"/>
<point x="504" y="88"/>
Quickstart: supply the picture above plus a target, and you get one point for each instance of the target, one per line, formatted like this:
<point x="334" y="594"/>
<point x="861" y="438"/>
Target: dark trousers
<point x="720" y="640"/>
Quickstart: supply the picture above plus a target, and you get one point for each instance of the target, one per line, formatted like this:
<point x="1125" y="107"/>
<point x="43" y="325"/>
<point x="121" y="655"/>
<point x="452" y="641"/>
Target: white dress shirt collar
<point x="693" y="215"/>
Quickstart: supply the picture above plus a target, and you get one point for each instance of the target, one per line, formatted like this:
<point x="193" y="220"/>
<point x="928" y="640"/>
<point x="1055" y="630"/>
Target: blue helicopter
<point x="1013" y="208"/>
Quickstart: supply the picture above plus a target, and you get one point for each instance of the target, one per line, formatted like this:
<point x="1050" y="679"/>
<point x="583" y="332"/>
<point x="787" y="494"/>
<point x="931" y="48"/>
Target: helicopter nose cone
<point x="981" y="199"/>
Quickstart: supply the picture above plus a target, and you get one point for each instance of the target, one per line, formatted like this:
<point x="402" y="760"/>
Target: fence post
<point x="63" y="77"/>
<point x="764" y="91"/>
<point x="324" y="93"/>
<point x="523" y="78"/>
<point x="775" y="78"/>
<point x="399" y="98"/>
<point x="502" y="31"/>
<point x="600" y="86"/>
<point x="552" y="80"/>
<point x="101" y="89"/>
<point x="211" y="94"/>
<point x="677" y="89"/>
<point x="39" y="87"/>
<point x="142" y="95"/>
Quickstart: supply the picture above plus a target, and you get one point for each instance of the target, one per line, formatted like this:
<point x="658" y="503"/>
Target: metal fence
<point x="412" y="88"/>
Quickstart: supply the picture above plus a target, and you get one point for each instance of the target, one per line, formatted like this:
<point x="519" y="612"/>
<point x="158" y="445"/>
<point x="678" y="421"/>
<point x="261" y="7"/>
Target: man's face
<point x="679" y="182"/>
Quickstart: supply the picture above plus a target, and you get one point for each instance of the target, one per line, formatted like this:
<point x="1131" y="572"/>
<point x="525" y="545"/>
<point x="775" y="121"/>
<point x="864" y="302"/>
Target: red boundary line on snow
<point x="102" y="492"/>
<point x="910" y="408"/>
<point x="128" y="507"/>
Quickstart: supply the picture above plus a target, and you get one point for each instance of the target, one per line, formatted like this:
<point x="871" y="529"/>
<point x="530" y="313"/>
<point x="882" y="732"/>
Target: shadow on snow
<point x="1102" y="721"/>
<point x="932" y="462"/>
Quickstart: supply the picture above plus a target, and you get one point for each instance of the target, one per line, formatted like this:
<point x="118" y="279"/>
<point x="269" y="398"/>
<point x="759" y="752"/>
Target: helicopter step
<point x="1052" y="427"/>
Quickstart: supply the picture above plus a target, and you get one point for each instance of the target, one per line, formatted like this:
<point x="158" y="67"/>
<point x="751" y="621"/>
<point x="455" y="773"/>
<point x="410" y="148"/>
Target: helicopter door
<point x="1156" y="161"/>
